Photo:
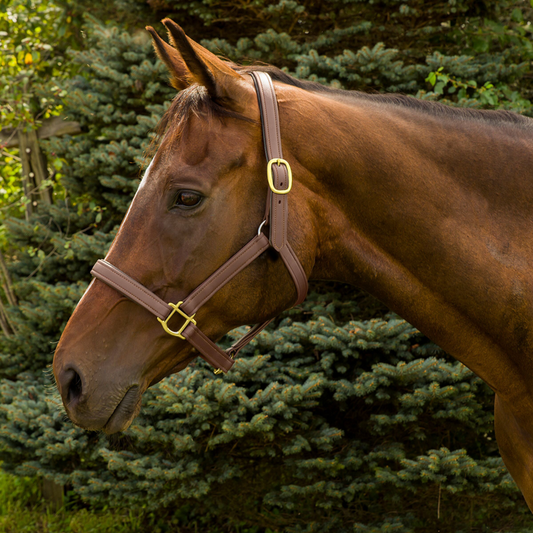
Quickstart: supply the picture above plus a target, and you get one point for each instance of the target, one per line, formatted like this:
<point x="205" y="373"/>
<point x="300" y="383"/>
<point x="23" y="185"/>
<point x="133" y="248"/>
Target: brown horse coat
<point x="426" y="207"/>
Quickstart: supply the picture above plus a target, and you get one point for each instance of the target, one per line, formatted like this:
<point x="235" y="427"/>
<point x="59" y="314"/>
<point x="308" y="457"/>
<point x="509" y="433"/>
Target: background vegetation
<point x="340" y="417"/>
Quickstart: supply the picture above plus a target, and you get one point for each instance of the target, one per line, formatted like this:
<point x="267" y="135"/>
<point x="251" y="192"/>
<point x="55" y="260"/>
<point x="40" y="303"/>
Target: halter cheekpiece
<point x="279" y="177"/>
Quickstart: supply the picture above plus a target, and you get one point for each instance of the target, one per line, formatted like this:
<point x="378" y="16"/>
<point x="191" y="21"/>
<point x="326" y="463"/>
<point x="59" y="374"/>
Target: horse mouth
<point x="124" y="412"/>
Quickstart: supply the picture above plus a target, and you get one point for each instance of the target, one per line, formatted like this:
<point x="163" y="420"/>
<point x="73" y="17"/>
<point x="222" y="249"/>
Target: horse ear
<point x="181" y="77"/>
<point x="206" y="69"/>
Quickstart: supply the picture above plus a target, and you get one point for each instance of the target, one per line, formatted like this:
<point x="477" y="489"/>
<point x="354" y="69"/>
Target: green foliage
<point x="35" y="35"/>
<point x="379" y="45"/>
<point x="119" y="109"/>
<point x="23" y="511"/>
<point x="10" y="190"/>
<point x="468" y="94"/>
<point x="339" y="417"/>
<point x="57" y="247"/>
<point x="320" y="425"/>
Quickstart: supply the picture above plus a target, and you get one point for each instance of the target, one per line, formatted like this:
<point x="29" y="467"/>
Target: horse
<point x="427" y="207"/>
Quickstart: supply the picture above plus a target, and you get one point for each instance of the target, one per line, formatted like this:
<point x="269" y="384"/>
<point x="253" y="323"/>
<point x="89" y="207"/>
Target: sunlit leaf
<point x="439" y="87"/>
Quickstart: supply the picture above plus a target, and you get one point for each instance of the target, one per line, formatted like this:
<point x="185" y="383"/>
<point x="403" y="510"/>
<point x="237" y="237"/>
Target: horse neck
<point x="412" y="208"/>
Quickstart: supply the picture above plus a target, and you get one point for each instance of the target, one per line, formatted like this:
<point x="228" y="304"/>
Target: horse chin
<point x="125" y="412"/>
<point x="129" y="407"/>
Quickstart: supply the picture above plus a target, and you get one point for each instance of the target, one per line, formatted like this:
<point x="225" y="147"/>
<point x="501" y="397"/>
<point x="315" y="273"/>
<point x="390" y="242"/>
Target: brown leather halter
<point x="280" y="182"/>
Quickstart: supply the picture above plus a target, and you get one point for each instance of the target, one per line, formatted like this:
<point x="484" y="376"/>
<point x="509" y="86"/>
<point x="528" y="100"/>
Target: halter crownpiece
<point x="279" y="177"/>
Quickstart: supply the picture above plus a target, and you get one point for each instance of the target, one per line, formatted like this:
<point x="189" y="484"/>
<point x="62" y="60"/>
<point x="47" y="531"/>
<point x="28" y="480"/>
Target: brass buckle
<point x="219" y="370"/>
<point x="188" y="320"/>
<point x="279" y="162"/>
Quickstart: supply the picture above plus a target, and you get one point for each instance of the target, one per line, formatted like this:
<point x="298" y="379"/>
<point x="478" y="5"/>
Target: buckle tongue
<point x="188" y="320"/>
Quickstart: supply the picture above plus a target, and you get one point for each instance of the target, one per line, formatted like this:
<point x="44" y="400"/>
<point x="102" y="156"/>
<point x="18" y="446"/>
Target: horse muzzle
<point x="110" y="411"/>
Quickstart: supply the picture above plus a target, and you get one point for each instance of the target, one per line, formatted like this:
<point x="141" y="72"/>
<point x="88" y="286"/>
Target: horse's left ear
<point x="200" y="66"/>
<point x="180" y="77"/>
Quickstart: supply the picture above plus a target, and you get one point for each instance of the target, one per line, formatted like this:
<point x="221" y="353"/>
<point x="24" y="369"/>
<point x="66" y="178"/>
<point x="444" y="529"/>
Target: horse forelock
<point x="193" y="101"/>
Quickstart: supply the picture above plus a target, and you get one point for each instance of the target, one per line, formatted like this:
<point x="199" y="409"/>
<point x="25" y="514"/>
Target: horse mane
<point x="195" y="100"/>
<point x="410" y="102"/>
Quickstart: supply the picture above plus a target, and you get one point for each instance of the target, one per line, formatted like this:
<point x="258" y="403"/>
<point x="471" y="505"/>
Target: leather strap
<point x="138" y="293"/>
<point x="276" y="216"/>
<point x="297" y="272"/>
<point x="135" y="291"/>
<point x="278" y="208"/>
<point x="277" y="204"/>
<point x="245" y="339"/>
<point x="225" y="273"/>
<point x="207" y="349"/>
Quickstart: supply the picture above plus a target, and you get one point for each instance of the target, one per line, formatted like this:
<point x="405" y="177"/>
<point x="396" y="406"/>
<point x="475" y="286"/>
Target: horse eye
<point x="188" y="199"/>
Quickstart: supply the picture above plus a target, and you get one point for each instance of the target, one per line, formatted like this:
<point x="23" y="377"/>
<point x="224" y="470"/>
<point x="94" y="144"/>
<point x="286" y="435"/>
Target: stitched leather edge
<point x="134" y="290"/>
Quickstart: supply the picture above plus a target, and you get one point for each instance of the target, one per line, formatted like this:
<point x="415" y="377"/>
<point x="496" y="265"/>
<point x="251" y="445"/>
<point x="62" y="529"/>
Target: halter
<point x="279" y="177"/>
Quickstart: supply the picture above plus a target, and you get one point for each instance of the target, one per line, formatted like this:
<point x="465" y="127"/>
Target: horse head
<point x="202" y="198"/>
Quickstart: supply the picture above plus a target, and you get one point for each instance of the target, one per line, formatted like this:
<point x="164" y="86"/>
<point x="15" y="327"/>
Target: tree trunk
<point x="8" y="288"/>
<point x="53" y="493"/>
<point x="34" y="170"/>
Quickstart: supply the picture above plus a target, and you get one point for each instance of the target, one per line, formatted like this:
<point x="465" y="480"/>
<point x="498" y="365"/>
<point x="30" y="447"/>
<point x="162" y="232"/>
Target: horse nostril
<point x="74" y="389"/>
<point x="73" y="385"/>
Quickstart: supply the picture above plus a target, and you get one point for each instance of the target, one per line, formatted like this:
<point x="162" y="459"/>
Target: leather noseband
<point x="280" y="182"/>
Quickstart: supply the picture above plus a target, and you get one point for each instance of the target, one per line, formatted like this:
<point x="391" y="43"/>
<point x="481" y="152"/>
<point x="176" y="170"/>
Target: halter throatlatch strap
<point x="280" y="182"/>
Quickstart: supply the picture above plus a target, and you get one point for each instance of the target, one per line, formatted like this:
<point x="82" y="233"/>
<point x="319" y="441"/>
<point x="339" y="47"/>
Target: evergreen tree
<point x="383" y="45"/>
<point x="340" y="416"/>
